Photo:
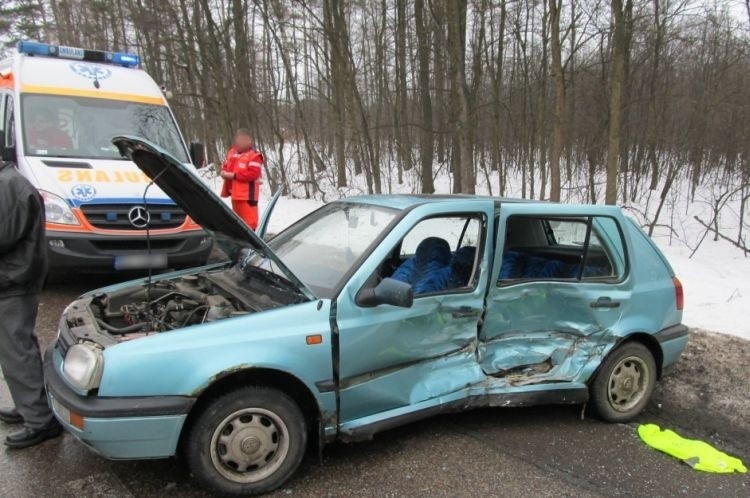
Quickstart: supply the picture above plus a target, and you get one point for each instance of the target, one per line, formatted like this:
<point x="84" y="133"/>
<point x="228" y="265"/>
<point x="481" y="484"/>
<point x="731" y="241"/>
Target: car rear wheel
<point x="248" y="441"/>
<point x="624" y="384"/>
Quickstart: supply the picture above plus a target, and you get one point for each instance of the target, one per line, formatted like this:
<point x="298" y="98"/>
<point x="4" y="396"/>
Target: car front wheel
<point x="624" y="383"/>
<point x="248" y="441"/>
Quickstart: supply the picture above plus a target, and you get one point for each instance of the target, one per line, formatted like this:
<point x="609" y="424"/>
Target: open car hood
<point x="197" y="199"/>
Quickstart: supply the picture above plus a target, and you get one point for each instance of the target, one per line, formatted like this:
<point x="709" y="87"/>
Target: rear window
<point x="585" y="248"/>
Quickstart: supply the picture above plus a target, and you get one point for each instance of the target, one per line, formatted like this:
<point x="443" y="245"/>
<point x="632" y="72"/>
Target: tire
<point x="623" y="386"/>
<point x="247" y="442"/>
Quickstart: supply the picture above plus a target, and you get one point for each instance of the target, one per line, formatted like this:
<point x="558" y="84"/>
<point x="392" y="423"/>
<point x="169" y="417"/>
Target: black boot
<point x="10" y="416"/>
<point x="29" y="437"/>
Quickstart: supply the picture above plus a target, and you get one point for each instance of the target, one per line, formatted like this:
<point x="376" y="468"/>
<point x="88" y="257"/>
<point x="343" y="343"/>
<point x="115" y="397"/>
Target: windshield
<point x="81" y="127"/>
<point x="321" y="248"/>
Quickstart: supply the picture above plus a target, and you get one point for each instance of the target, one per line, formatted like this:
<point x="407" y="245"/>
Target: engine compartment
<point x="173" y="304"/>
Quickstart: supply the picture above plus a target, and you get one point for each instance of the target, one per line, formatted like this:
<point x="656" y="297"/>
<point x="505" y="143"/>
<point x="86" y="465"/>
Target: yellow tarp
<point x="699" y="455"/>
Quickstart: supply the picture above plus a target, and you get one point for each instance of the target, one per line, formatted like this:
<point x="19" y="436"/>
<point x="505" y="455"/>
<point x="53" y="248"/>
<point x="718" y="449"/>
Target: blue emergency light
<point x="81" y="54"/>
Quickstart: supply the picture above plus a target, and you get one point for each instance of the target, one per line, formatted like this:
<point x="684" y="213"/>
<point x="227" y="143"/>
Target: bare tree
<point x="560" y="107"/>
<point x="622" y="11"/>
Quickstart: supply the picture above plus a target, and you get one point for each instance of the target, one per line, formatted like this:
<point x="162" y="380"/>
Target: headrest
<point x="433" y="249"/>
<point x="464" y="257"/>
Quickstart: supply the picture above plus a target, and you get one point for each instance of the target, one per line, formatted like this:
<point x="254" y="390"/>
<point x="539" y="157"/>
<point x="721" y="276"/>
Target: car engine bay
<point x="181" y="302"/>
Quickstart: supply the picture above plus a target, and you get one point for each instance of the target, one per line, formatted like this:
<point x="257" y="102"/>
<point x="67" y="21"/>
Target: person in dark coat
<point x="23" y="269"/>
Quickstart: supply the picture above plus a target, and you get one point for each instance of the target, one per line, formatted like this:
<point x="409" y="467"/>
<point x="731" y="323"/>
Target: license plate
<point x="61" y="411"/>
<point x="141" y="261"/>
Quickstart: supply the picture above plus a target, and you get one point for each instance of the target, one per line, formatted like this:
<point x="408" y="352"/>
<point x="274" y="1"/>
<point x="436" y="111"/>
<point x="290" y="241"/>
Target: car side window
<point x="458" y="231"/>
<point x="438" y="255"/>
<point x="585" y="248"/>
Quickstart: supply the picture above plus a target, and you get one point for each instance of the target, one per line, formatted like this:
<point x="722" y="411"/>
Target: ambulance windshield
<point x="80" y="127"/>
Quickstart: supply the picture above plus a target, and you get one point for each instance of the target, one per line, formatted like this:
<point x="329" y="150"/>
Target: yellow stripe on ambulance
<point x="99" y="176"/>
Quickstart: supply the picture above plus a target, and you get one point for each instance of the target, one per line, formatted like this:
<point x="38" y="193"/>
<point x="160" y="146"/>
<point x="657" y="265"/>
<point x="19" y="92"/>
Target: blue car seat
<point x="461" y="267"/>
<point x="424" y="271"/>
<point x="518" y="265"/>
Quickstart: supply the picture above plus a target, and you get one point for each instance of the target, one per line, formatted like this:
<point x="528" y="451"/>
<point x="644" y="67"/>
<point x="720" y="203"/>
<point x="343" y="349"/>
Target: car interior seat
<point x="424" y="270"/>
<point x="461" y="267"/>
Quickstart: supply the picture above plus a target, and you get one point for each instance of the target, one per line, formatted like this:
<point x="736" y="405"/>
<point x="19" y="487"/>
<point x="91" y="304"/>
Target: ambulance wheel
<point x="623" y="386"/>
<point x="247" y="442"/>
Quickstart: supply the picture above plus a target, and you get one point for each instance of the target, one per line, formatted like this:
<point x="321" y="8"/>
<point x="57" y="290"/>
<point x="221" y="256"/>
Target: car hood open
<point x="184" y="186"/>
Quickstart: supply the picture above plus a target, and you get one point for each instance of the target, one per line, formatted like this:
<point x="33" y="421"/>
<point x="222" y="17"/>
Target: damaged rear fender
<point x="592" y="367"/>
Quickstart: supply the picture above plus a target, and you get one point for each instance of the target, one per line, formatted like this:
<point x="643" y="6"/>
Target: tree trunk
<point x="456" y="20"/>
<point x="560" y="106"/>
<point x="616" y="83"/>
<point x="423" y="54"/>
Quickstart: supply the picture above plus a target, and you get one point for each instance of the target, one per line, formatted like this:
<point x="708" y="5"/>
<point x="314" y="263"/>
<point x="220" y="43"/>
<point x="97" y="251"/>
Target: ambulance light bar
<point x="81" y="54"/>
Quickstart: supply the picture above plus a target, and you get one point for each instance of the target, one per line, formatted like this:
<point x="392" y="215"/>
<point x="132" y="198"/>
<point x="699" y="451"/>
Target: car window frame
<point x="580" y="279"/>
<point x="468" y="215"/>
<point x="480" y="249"/>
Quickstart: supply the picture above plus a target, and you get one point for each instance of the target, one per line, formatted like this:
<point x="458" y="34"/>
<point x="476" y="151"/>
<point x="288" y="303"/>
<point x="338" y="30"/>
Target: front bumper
<point x="71" y="250"/>
<point x="116" y="427"/>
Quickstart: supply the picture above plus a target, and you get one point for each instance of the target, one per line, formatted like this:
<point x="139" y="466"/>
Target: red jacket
<point x="247" y="167"/>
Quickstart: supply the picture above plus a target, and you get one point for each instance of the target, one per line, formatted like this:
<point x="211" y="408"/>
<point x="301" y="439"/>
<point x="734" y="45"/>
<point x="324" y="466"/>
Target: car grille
<point x="115" y="216"/>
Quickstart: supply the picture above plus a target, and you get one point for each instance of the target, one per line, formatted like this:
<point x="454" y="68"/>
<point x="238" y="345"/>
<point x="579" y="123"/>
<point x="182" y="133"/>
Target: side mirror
<point x="197" y="154"/>
<point x="388" y="291"/>
<point x="7" y="154"/>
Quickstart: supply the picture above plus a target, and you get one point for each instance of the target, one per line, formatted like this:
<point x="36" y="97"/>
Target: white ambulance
<point x="60" y="108"/>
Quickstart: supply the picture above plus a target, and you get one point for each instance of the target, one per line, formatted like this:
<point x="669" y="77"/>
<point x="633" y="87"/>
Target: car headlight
<point x="83" y="366"/>
<point x="57" y="210"/>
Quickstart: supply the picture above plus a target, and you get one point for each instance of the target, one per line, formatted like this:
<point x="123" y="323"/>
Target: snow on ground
<point x="716" y="279"/>
<point x="717" y="286"/>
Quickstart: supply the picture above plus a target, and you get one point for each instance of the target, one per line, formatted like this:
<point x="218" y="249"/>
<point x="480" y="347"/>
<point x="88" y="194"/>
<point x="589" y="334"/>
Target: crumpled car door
<point x="545" y="330"/>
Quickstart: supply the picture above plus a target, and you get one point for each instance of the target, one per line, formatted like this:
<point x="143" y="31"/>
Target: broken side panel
<point x="541" y="331"/>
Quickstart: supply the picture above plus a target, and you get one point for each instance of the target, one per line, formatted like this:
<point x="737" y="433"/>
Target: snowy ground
<point x="716" y="278"/>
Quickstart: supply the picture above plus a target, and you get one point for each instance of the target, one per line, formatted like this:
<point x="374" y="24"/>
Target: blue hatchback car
<point x="369" y="313"/>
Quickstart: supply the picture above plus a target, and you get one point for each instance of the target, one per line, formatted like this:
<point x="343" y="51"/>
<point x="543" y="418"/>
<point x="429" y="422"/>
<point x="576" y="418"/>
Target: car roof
<point x="408" y="201"/>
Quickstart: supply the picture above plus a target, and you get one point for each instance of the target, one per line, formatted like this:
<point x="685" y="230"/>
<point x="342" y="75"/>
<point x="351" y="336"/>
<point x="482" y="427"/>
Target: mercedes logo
<point x="139" y="217"/>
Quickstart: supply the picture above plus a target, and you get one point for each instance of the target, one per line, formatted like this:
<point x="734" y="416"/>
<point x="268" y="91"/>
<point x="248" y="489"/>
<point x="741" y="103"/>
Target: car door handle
<point x="463" y="312"/>
<point x="605" y="302"/>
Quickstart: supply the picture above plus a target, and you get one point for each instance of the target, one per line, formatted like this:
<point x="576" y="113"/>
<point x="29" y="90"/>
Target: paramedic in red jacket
<point x="242" y="172"/>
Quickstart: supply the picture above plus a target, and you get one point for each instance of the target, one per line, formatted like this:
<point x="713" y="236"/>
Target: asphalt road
<point x="497" y="452"/>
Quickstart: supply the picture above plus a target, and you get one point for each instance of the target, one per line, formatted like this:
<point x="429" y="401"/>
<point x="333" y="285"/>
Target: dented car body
<point x="546" y="297"/>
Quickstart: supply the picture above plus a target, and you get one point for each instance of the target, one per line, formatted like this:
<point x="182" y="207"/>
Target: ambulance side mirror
<point x="8" y="153"/>
<point x="197" y="154"/>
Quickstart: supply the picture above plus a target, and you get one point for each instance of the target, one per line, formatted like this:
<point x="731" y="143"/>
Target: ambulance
<point x="60" y="107"/>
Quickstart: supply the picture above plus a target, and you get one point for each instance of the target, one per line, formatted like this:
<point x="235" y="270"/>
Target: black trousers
<point x="21" y="359"/>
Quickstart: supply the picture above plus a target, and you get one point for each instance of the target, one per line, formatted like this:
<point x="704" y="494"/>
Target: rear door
<point x="560" y="286"/>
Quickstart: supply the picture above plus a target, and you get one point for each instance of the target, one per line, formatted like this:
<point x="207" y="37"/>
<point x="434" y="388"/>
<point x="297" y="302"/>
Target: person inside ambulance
<point x="44" y="132"/>
<point x="242" y="171"/>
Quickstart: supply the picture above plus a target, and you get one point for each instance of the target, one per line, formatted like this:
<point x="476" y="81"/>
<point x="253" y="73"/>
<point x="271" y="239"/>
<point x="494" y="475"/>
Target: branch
<point x="722" y="236"/>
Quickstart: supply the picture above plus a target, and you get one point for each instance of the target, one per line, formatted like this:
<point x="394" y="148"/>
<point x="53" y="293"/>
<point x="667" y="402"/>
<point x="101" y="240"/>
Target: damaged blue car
<point x="369" y="313"/>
